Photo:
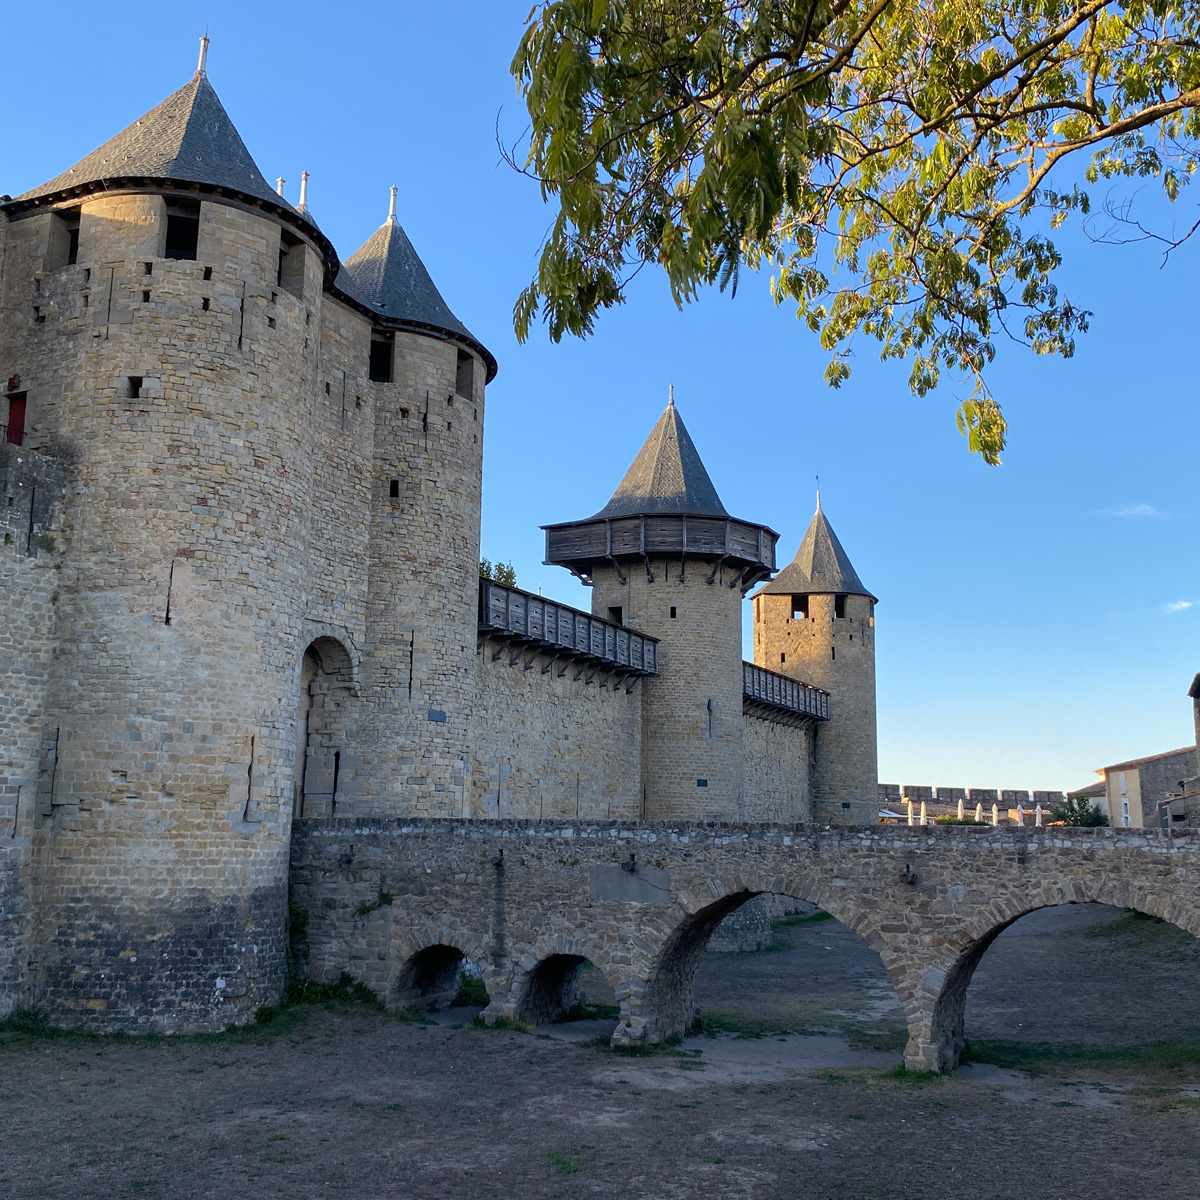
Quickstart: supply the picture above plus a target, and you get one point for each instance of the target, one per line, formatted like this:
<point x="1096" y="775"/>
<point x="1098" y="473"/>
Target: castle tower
<point x="427" y="375"/>
<point x="664" y="557"/>
<point x="215" y="418"/>
<point x="815" y="621"/>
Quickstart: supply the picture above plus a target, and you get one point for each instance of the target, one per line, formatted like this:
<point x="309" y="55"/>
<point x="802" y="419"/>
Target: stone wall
<point x="777" y="771"/>
<point x="31" y="487"/>
<point x="545" y="743"/>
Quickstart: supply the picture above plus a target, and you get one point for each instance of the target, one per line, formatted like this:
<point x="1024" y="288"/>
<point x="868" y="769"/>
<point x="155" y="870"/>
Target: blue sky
<point x="1036" y="620"/>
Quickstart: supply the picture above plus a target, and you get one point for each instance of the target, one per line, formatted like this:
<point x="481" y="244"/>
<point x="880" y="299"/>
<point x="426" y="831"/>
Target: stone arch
<point x="429" y="978"/>
<point x="328" y="679"/>
<point x="545" y="979"/>
<point x="944" y="1036"/>
<point x="668" y="1009"/>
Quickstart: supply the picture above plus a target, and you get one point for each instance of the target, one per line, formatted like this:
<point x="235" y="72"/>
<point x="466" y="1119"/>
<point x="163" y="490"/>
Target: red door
<point x="16" y="419"/>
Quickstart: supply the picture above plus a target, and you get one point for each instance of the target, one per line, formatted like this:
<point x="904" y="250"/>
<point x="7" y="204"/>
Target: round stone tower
<point x="427" y="376"/>
<point x="815" y="621"/>
<point x="664" y="557"/>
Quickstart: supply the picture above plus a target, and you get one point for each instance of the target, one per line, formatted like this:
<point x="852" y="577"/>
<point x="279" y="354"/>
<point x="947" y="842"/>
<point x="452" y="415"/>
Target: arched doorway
<point x="326" y="680"/>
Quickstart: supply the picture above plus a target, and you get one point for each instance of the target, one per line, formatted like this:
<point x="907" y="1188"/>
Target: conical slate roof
<point x="386" y="273"/>
<point x="820" y="565"/>
<point x="188" y="137"/>
<point x="667" y="477"/>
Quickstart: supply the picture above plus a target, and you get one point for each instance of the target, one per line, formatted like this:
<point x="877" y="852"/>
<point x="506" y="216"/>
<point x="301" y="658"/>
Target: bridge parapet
<point x="640" y="899"/>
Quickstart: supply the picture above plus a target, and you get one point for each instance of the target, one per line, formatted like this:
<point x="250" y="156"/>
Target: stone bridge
<point x="398" y="904"/>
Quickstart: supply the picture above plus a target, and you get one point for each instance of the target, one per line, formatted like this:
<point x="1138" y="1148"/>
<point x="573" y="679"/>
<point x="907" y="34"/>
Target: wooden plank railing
<point x="766" y="687"/>
<point x="520" y="614"/>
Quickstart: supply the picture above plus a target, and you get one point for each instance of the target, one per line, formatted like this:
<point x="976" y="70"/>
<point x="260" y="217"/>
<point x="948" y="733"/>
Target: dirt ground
<point x="345" y="1100"/>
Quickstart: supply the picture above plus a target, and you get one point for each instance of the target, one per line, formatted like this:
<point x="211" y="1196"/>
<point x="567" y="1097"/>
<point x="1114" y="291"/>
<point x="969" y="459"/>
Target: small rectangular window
<point x="783" y="658"/>
<point x="800" y="606"/>
<point x="382" y="343"/>
<point x="394" y="489"/>
<point x="135" y="387"/>
<point x="615" y="613"/>
<point x="145" y="297"/>
<point x="674" y="612"/>
<point x="204" y="303"/>
<point x="464" y="378"/>
<point x="208" y="273"/>
<point x="183" y="230"/>
<point x="14" y="428"/>
<point x="291" y="264"/>
<point x="839" y="606"/>
<point x="148" y="268"/>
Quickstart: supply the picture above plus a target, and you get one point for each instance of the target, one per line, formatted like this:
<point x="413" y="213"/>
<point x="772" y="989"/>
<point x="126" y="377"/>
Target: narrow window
<point x="145" y="297"/>
<point x="183" y="230"/>
<point x="271" y="322"/>
<point x="327" y="387"/>
<point x="14" y="430"/>
<point x="833" y="652"/>
<point x="404" y="414"/>
<point x="291" y="264"/>
<point x="464" y="376"/>
<point x="449" y="426"/>
<point x="783" y="658"/>
<point x="208" y="273"/>
<point x="839" y="606"/>
<point x="63" y="249"/>
<point x="135" y="387"/>
<point x="799" y="606"/>
<point x="381" y="356"/>
<point x="615" y="613"/>
<point x="204" y="304"/>
<point x="394" y="489"/>
<point x="39" y="317"/>
<point x="148" y="268"/>
<point x="674" y="612"/>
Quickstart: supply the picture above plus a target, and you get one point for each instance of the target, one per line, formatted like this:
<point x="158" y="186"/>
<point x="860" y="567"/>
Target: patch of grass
<point x="589" y="1012"/>
<point x="802" y="919"/>
<point x="382" y="900"/>
<point x="504" y="1025"/>
<point x="670" y="1048"/>
<point x="565" y="1162"/>
<point x="1179" y="1056"/>
<point x="471" y="994"/>
<point x="901" y="1074"/>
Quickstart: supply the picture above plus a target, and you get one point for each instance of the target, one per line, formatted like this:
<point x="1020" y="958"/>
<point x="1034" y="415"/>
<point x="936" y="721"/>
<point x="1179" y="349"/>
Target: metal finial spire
<point x="818" y="493"/>
<point x="202" y="65"/>
<point x="392" y="206"/>
<point x="279" y="185"/>
<point x="303" y="205"/>
<point x="671" y="396"/>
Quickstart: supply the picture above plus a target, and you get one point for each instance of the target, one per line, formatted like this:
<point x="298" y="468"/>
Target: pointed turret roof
<point x="665" y="506"/>
<point x="387" y="273"/>
<point x="820" y="565"/>
<point x="188" y="138"/>
<point x="666" y="477"/>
